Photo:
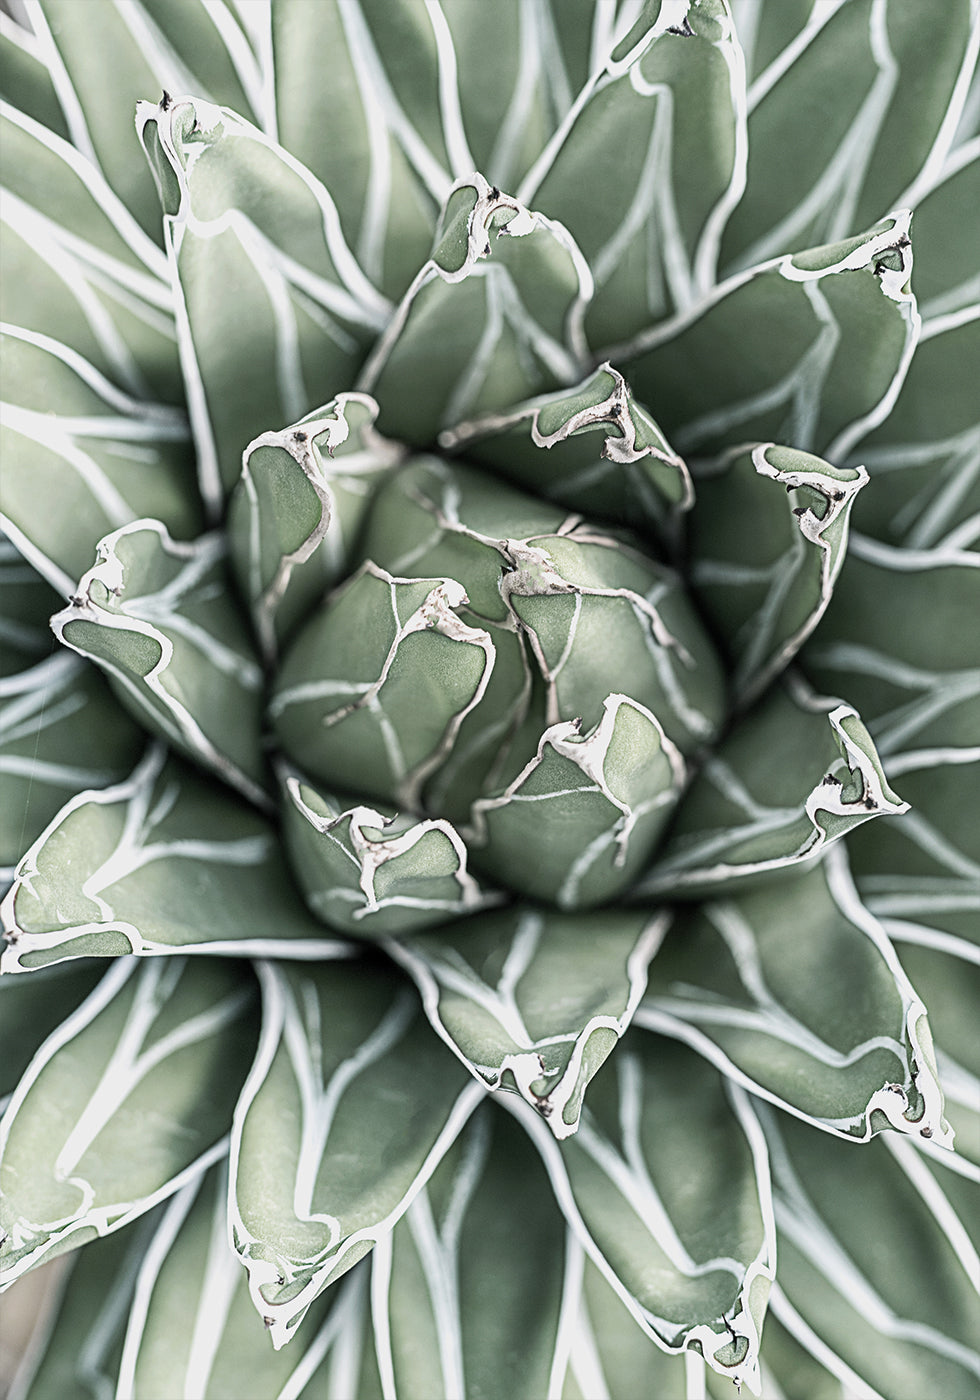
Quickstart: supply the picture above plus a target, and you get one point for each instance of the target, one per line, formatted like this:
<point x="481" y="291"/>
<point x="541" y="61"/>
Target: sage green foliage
<point x="490" y="699"/>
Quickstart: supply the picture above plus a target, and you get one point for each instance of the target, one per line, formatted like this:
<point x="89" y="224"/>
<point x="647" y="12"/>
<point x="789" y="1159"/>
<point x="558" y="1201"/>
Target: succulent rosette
<point x="490" y="588"/>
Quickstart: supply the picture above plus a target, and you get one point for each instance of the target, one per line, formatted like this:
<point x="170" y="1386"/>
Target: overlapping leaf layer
<point x="493" y="882"/>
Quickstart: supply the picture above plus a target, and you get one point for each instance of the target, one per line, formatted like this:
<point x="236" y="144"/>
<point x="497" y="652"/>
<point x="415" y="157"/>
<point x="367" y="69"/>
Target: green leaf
<point x="25" y="82"/>
<point x="157" y="616"/>
<point x="192" y="1328"/>
<point x="797" y="772"/>
<point x="82" y="458"/>
<point x="349" y="1106"/>
<point x="764" y="562"/>
<point x="26" y="603"/>
<point x="31" y="1008"/>
<point x="253" y="240"/>
<point x="370" y="874"/>
<point x="533" y="1001"/>
<point x="474" y="1291"/>
<point x="661" y="1149"/>
<point x="161" y="862"/>
<point x="878" y="1280"/>
<point x="80" y="1350"/>
<point x="808" y="349"/>
<point x="60" y="731"/>
<point x="633" y="476"/>
<point x="844" y="117"/>
<point x="825" y="1024"/>
<point x="471" y="336"/>
<point x="153" y="1055"/>
<point x="649" y="163"/>
<point x="296" y="513"/>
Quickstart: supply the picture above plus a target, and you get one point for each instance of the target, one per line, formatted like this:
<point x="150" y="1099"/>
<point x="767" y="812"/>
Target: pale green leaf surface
<point x="162" y="862"/>
<point x="298" y="508"/>
<point x="82" y="1345"/>
<point x="474" y="1291"/>
<point x="371" y="874"/>
<point x="808" y="349"/>
<point x="766" y="559"/>
<point x="25" y="82"/>
<point x="493" y="316"/>
<point x="60" y="731"/>
<point x="31" y="1008"/>
<point x="155" y="1054"/>
<point x="348" y="1108"/>
<point x="26" y="603"/>
<point x="605" y="455"/>
<point x="81" y="458"/>
<point x="878" y="1279"/>
<point x="156" y="615"/>
<point x="844" y="116"/>
<point x="253" y="241"/>
<point x="657" y="139"/>
<point x="824" y="1022"/>
<point x="798" y="772"/>
<point x="533" y="1001"/>
<point x="661" y="1150"/>
<point x="192" y="1329"/>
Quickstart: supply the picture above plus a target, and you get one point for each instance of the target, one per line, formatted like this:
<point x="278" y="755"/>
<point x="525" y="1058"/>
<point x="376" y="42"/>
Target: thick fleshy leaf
<point x="662" y="1150"/>
<point x="294" y="517"/>
<point x="533" y="1001"/>
<point x="371" y="874"/>
<point x="26" y="603"/>
<point x="31" y="1008"/>
<point x="604" y="796"/>
<point x="657" y="140"/>
<point x="808" y="349"/>
<point x="157" y="616"/>
<point x="878" y="1280"/>
<point x="81" y="458"/>
<point x="824" y="1023"/>
<point x="155" y="1055"/>
<point x="25" y="82"/>
<point x="192" y="1329"/>
<point x="349" y="1106"/>
<point x="60" y="731"/>
<point x="474" y="1292"/>
<point x="493" y="316"/>
<point x="79" y="1350"/>
<point x="765" y="561"/>
<point x="797" y="772"/>
<point x="633" y="476"/>
<point x="844" y="117"/>
<point x="253" y="241"/>
<point x="900" y="639"/>
<point x="161" y="862"/>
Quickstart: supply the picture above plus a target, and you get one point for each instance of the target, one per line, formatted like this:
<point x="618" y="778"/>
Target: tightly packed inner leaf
<point x="488" y="701"/>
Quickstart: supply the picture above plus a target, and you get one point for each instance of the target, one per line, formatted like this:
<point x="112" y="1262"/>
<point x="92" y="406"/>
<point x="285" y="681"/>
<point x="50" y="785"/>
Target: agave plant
<point x="507" y="511"/>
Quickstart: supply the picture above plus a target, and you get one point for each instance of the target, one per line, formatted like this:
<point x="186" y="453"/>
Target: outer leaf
<point x="81" y="458"/>
<point x="192" y="1329"/>
<point x="824" y="1023"/>
<point x="294" y="516"/>
<point x="349" y="1107"/>
<point x="657" y="138"/>
<point x="30" y="1009"/>
<point x="632" y="477"/>
<point x="764" y="562"/>
<point x="760" y="804"/>
<point x="25" y="82"/>
<point x="153" y="1055"/>
<point x="474" y="1292"/>
<point x="60" y="731"/>
<point x="471" y="337"/>
<point x="162" y="861"/>
<point x="661" y="1152"/>
<point x="79" y="1352"/>
<point x="368" y="873"/>
<point x="534" y="1001"/>
<point x="26" y="603"/>
<point x="155" y="614"/>
<point x="842" y="106"/>
<point x="879" y="1280"/>
<point x="824" y="339"/>
<point x="253" y="239"/>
